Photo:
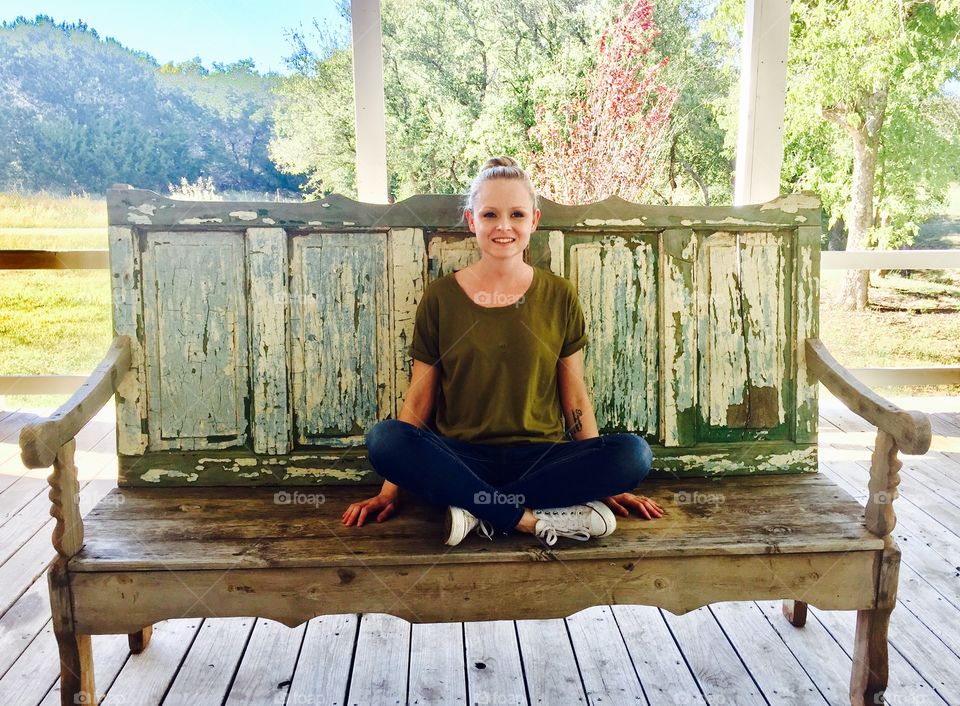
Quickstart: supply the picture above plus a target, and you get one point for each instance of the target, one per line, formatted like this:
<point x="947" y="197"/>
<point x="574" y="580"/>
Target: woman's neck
<point x="495" y="271"/>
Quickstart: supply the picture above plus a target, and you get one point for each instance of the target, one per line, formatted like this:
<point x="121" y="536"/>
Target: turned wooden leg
<point x="869" y="678"/>
<point x="795" y="612"/>
<point x="139" y="640"/>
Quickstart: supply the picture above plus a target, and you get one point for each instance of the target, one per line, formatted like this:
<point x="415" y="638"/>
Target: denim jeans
<point x="496" y="482"/>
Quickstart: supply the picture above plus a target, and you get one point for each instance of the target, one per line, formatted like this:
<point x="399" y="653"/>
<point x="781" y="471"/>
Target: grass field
<point x="58" y="322"/>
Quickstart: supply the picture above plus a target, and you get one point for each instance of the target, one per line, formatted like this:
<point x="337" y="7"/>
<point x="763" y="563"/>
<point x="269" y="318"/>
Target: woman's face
<point x="503" y="218"/>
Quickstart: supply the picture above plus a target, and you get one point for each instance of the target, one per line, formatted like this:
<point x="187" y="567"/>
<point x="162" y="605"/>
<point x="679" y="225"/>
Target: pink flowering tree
<point x="615" y="139"/>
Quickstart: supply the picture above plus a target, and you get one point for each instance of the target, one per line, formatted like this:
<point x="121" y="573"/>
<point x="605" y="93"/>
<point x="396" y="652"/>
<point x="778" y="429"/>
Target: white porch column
<point x="371" y="130"/>
<point x="763" y="83"/>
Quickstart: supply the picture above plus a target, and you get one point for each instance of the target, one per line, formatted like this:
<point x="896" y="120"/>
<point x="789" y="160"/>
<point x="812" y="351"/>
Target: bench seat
<point x="227" y="551"/>
<point x="231" y="527"/>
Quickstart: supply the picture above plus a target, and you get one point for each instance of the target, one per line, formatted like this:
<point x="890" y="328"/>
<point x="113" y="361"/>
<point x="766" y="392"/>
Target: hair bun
<point x="499" y="162"/>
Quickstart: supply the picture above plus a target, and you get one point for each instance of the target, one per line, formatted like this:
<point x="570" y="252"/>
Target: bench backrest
<point x="269" y="337"/>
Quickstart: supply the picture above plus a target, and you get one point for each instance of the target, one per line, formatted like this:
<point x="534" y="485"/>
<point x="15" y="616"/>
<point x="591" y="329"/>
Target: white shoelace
<point x="485" y="529"/>
<point x="563" y="523"/>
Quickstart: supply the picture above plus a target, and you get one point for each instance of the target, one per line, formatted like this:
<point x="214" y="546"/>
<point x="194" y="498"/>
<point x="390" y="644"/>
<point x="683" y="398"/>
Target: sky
<point x="178" y="30"/>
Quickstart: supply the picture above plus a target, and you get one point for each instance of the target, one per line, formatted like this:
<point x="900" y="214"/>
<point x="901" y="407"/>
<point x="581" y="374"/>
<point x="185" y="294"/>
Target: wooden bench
<point x="256" y="343"/>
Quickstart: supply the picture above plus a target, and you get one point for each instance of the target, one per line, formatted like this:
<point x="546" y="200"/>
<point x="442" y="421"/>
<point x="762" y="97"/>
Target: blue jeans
<point x="496" y="482"/>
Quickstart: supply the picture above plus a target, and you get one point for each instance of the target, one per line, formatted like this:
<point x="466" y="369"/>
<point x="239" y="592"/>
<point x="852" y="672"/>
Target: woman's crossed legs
<point x="496" y="483"/>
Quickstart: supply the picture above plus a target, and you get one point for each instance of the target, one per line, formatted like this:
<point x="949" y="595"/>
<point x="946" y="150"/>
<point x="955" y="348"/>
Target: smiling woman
<point x="497" y="424"/>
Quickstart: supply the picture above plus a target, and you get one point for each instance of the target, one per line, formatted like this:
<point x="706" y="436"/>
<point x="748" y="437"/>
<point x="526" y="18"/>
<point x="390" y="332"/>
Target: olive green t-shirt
<point x="498" y="365"/>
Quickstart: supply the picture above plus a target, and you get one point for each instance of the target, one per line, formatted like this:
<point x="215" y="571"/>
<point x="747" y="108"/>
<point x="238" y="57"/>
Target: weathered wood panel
<point x="616" y="278"/>
<point x="678" y="338"/>
<point x="806" y="297"/>
<point x="195" y="328"/>
<point x="268" y="304"/>
<point x="406" y="253"/>
<point x="341" y="342"/>
<point x="743" y="335"/>
<point x="449" y="252"/>
<point x="125" y="286"/>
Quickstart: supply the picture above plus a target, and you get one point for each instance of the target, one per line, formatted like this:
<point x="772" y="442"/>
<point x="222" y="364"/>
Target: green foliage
<point x="843" y="56"/>
<point x="80" y="113"/>
<point x="461" y="80"/>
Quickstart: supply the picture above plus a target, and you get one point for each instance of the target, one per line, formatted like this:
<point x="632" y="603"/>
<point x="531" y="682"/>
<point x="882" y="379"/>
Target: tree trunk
<point x="854" y="293"/>
<point x="863" y="124"/>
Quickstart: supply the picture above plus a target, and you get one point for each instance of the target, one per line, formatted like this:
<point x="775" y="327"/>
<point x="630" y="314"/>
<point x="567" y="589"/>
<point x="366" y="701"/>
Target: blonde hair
<point x="499" y="168"/>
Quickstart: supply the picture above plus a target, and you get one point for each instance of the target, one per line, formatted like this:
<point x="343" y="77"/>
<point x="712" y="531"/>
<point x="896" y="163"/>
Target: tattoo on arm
<point x="577" y="423"/>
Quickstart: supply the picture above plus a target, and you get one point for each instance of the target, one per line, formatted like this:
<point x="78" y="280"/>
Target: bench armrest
<point x="40" y="441"/>
<point x="911" y="430"/>
<point x="896" y="429"/>
<point x="52" y="442"/>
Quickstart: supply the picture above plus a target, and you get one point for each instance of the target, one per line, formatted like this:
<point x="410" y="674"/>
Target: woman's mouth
<point x="503" y="241"/>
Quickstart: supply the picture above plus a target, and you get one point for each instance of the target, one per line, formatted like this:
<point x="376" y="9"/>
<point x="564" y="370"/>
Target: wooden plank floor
<point x="729" y="653"/>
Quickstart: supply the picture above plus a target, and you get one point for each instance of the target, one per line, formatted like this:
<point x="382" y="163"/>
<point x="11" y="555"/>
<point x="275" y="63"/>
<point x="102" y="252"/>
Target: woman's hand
<point x="624" y="502"/>
<point x="384" y="503"/>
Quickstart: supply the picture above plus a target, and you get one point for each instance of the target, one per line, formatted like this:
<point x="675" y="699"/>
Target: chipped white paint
<point x="195" y="328"/>
<point x="127" y="312"/>
<point x="333" y="473"/>
<point x="147" y="208"/>
<point x="154" y="475"/>
<point x="792" y="203"/>
<point x="446" y="255"/>
<point x="214" y="460"/>
<point x="253" y="474"/>
<point x="244" y="215"/>
<point x="407" y="277"/>
<point x="595" y="222"/>
<point x="678" y="335"/>
<point x="686" y="222"/>
<point x="199" y="221"/>
<point x="617" y="284"/>
<point x="349" y="223"/>
<point x="762" y="282"/>
<point x="806" y="302"/>
<point x="246" y="461"/>
<point x="555" y="244"/>
<point x="266" y="255"/>
<point x="721" y="464"/>
<point x="723" y="365"/>
<point x="800" y="219"/>
<point x="742" y="330"/>
<point x="340" y="327"/>
<point x="268" y="221"/>
<point x="138" y="218"/>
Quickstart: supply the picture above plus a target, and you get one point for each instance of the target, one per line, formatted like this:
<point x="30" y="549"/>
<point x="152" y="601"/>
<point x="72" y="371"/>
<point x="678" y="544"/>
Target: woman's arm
<point x="578" y="414"/>
<point x="417" y="405"/>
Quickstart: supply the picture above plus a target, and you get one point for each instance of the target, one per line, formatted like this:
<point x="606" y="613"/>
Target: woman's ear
<point x="468" y="214"/>
<point x="536" y="219"/>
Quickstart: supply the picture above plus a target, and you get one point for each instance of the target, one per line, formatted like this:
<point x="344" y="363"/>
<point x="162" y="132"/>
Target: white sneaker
<point x="459" y="523"/>
<point x="580" y="522"/>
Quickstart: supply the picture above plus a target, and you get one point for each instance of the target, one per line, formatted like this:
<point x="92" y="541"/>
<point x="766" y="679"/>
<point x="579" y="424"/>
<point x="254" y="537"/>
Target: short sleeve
<point x="575" y="336"/>
<point x="426" y="339"/>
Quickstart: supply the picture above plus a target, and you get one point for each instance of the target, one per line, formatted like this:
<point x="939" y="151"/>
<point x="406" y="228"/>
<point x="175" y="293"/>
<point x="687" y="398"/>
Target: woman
<point x="497" y="355"/>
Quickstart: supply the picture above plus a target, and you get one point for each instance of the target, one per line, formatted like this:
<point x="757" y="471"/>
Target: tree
<point x="612" y="140"/>
<point x="461" y="79"/>
<point x="864" y="81"/>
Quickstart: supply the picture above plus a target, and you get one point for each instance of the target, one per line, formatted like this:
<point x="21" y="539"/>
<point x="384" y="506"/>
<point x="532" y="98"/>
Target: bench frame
<point x="85" y="603"/>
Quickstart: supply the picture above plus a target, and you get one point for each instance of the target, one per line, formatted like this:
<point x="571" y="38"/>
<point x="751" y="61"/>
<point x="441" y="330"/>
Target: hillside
<point x="79" y="112"/>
